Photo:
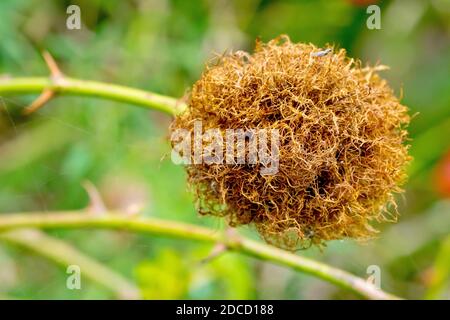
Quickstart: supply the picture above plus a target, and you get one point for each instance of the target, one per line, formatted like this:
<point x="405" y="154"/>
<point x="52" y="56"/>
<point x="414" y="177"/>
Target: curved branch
<point x="64" y="254"/>
<point x="78" y="219"/>
<point x="71" y="86"/>
<point x="65" y="85"/>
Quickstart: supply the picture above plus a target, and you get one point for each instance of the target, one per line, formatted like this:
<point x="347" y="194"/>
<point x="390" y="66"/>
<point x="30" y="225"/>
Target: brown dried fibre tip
<point x="342" y="150"/>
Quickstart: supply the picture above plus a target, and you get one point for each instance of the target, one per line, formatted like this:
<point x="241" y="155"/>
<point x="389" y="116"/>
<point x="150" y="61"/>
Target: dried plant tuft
<point x="342" y="152"/>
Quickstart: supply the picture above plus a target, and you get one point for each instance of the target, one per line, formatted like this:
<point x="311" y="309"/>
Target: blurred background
<point x="162" y="46"/>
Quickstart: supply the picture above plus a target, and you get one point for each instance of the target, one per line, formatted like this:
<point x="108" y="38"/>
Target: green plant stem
<point x="71" y="86"/>
<point x="65" y="85"/>
<point x="64" y="254"/>
<point x="78" y="219"/>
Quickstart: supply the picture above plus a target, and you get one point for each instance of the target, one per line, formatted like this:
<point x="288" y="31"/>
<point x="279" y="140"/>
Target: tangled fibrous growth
<point x="342" y="151"/>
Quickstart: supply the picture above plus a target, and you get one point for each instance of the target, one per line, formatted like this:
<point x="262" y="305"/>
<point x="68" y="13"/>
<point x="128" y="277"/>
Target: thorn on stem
<point x="51" y="64"/>
<point x="216" y="251"/>
<point x="43" y="98"/>
<point x="47" y="94"/>
<point x="96" y="205"/>
<point x="221" y="247"/>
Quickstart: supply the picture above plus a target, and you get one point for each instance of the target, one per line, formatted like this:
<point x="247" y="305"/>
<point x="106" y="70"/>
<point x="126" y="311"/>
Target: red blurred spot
<point x="442" y="176"/>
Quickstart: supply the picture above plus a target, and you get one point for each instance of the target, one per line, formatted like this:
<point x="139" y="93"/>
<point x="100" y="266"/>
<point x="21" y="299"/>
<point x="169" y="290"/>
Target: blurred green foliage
<point x="162" y="46"/>
<point x="172" y="275"/>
